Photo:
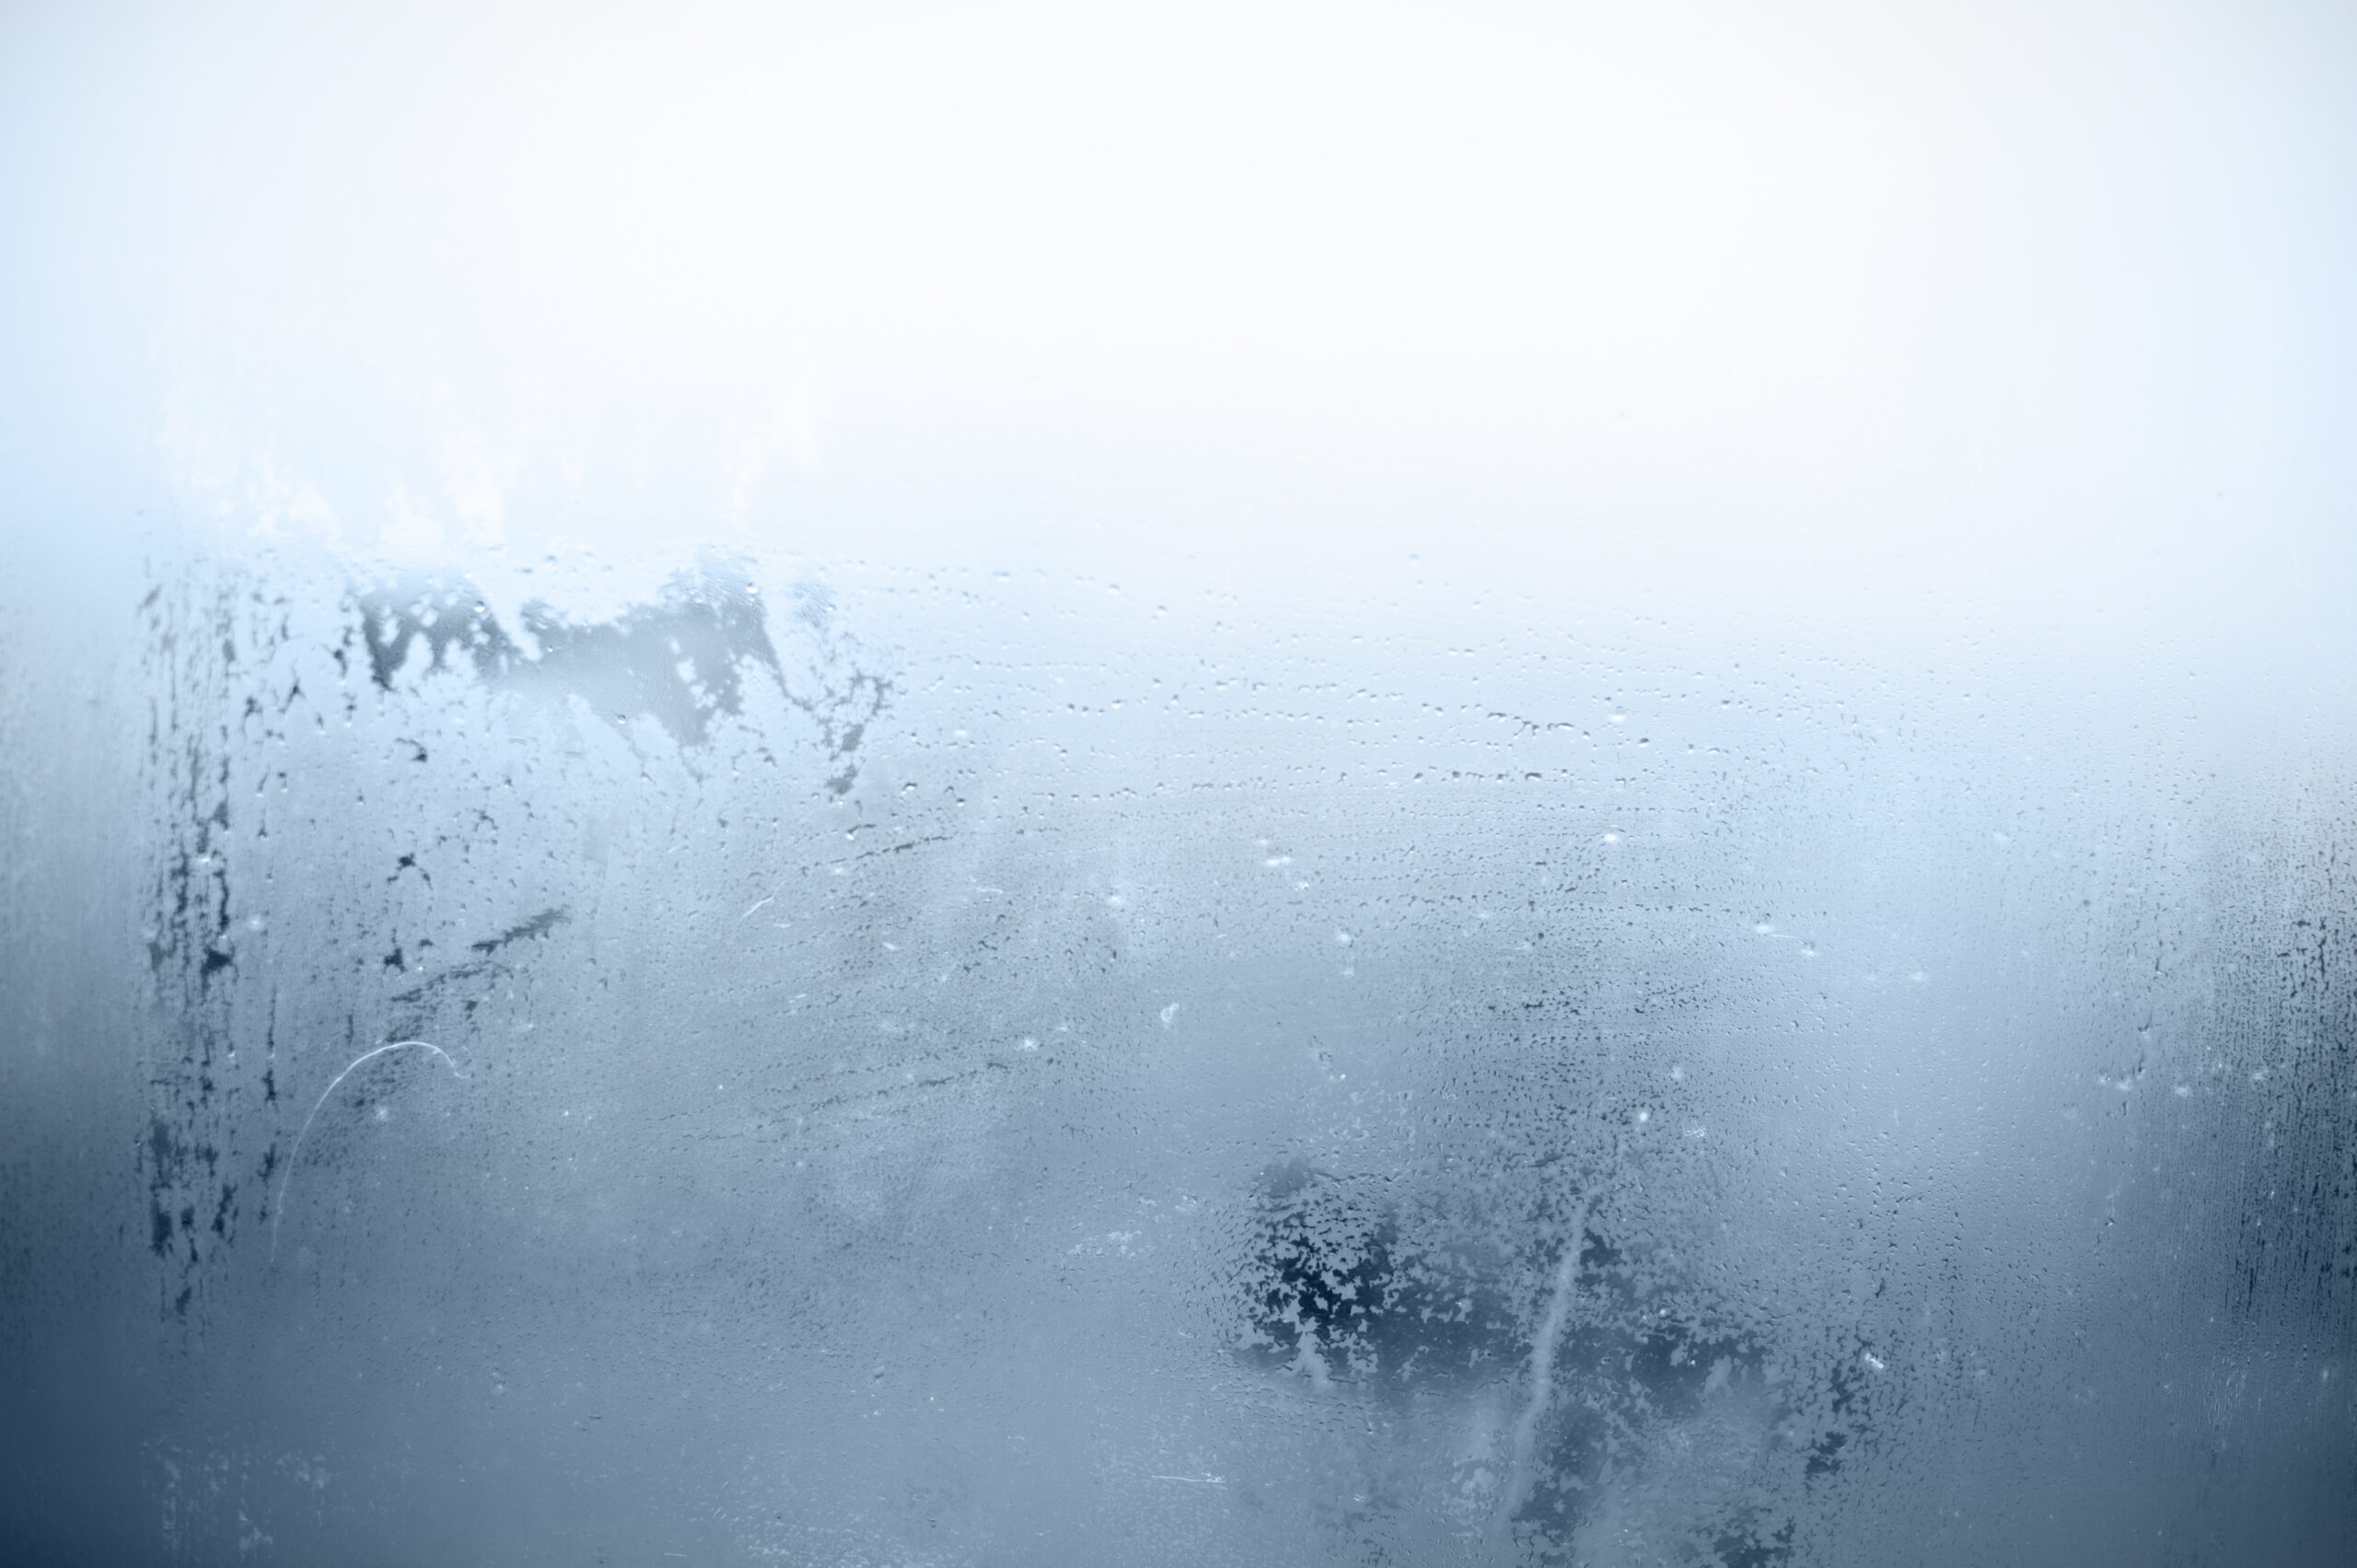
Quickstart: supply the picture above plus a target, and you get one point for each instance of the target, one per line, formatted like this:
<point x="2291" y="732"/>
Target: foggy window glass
<point x="1224" y="789"/>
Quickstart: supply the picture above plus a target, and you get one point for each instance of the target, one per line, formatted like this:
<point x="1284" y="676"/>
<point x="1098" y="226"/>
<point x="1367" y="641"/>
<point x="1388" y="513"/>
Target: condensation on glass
<point x="825" y="1064"/>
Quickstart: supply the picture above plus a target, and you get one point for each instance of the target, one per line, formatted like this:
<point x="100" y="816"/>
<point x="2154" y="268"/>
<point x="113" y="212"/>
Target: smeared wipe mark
<point x="681" y="661"/>
<point x="418" y="1002"/>
<point x="540" y="925"/>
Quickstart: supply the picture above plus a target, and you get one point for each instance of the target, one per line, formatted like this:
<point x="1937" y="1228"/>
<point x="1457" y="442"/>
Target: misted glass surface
<point x="822" y="1066"/>
<point x="1251" y="786"/>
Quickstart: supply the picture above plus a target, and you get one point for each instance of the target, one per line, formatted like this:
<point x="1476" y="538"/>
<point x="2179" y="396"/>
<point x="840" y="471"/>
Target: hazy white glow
<point x="2003" y="305"/>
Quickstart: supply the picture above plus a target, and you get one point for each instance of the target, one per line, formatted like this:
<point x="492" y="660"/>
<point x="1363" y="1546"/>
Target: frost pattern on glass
<point x="836" y="1066"/>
